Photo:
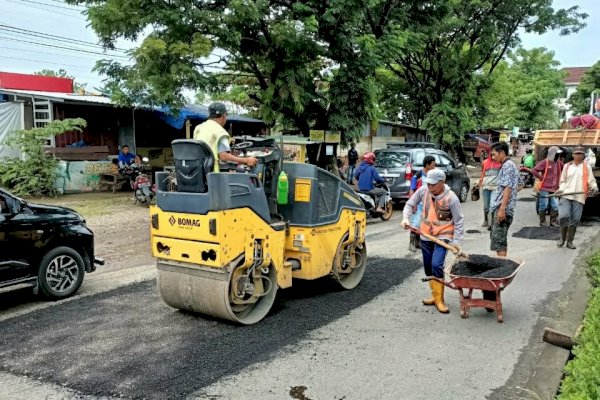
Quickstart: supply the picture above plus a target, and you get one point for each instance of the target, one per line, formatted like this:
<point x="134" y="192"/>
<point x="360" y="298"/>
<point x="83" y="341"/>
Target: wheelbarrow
<point x="466" y="284"/>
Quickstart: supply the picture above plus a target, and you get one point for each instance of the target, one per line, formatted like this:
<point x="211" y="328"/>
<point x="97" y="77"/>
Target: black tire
<point x="464" y="192"/>
<point x="61" y="273"/>
<point x="389" y="211"/>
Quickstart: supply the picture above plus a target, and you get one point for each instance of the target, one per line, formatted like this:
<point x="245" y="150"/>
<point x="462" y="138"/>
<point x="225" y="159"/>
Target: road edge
<point x="564" y="313"/>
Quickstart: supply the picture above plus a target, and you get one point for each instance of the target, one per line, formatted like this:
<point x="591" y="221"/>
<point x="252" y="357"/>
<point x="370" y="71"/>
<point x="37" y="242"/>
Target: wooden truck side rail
<point x="567" y="137"/>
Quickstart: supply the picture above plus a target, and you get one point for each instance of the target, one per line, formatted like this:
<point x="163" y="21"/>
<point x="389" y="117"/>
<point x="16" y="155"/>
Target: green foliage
<point x="590" y="82"/>
<point x="62" y="73"/>
<point x="35" y="173"/>
<point x="447" y="123"/>
<point x="302" y="65"/>
<point x="582" y="379"/>
<point x="523" y="91"/>
<point x="443" y="62"/>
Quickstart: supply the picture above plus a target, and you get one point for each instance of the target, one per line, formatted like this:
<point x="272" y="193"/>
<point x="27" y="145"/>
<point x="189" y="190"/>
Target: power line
<point x="79" y="56"/>
<point x="63" y="47"/>
<point x="48" y="36"/>
<point x="43" y="9"/>
<point x="46" y="62"/>
<point x="51" y="5"/>
<point x="71" y="5"/>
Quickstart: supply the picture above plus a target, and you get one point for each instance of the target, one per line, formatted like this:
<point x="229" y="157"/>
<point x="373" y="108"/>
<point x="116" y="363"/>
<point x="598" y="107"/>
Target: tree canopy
<point x="524" y="90"/>
<point x="325" y="64"/>
<point x="590" y="82"/>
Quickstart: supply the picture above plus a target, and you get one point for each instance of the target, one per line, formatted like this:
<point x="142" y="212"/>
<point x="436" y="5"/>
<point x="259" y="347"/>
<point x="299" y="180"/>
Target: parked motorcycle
<point x="527" y="177"/>
<point x="143" y="189"/>
<point x="371" y="206"/>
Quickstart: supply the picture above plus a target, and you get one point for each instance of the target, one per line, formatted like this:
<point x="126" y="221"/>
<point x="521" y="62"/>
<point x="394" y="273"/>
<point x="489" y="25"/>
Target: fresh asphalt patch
<point x="128" y="343"/>
<point x="538" y="232"/>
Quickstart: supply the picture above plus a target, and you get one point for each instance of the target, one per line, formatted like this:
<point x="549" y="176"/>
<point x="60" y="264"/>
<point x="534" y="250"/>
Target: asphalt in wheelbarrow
<point x="482" y="266"/>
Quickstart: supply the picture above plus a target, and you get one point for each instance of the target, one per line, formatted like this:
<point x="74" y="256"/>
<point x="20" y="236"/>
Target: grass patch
<point x="582" y="378"/>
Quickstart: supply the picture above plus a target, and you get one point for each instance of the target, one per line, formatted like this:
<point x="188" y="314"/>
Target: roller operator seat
<point x="194" y="159"/>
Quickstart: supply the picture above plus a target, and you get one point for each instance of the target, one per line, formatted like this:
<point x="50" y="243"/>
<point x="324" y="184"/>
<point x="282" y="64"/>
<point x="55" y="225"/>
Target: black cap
<point x="216" y="110"/>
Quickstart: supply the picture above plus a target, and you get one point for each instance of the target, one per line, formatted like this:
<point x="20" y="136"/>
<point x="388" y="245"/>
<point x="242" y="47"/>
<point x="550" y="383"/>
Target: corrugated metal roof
<point x="194" y="111"/>
<point x="60" y="97"/>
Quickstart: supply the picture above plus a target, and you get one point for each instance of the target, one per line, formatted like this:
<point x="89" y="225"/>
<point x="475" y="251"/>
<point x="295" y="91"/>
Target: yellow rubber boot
<point x="438" y="295"/>
<point x="431" y="300"/>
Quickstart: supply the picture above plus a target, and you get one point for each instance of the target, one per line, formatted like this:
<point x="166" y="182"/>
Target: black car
<point x="44" y="247"/>
<point x="399" y="163"/>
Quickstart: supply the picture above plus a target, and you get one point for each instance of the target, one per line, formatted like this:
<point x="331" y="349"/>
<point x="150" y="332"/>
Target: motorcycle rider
<point x="367" y="175"/>
<point x="212" y="133"/>
<point x="528" y="159"/>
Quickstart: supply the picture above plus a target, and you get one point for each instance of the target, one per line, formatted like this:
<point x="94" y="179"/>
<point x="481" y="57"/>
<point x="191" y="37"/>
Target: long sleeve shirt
<point x="571" y="181"/>
<point x="454" y="205"/>
<point x="552" y="174"/>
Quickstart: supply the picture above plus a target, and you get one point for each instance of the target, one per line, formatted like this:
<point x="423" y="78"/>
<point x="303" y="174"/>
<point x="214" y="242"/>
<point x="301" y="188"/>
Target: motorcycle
<point x="143" y="189"/>
<point x="371" y="206"/>
<point x="527" y="177"/>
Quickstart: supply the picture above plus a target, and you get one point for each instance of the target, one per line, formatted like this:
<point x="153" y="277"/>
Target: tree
<point x="590" y="82"/>
<point x="35" y="173"/>
<point x="62" y="73"/>
<point x="307" y="63"/>
<point x="524" y="90"/>
<point x="440" y="67"/>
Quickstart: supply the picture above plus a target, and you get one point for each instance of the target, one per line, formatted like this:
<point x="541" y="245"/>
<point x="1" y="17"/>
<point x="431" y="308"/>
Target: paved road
<point x="117" y="338"/>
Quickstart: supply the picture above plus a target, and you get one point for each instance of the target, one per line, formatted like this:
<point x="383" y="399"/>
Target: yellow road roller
<point x="226" y="241"/>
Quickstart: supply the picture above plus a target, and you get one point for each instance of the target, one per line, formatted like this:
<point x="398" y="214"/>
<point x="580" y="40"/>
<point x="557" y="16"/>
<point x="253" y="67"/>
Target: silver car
<point x="398" y="165"/>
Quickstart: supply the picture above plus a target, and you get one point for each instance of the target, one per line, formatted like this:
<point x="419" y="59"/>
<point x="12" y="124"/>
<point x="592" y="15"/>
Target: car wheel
<point x="61" y="273"/>
<point x="464" y="193"/>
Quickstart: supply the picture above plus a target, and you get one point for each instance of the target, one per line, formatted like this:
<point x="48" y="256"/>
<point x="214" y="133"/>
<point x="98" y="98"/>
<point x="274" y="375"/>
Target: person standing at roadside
<point x="415" y="183"/>
<point x="442" y="217"/>
<point x="488" y="183"/>
<point x="548" y="172"/>
<point x="502" y="204"/>
<point x="504" y="199"/>
<point x="352" y="160"/>
<point x="577" y="177"/>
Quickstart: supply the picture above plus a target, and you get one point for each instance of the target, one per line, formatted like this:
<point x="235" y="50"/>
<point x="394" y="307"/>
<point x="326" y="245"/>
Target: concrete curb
<point x="548" y="372"/>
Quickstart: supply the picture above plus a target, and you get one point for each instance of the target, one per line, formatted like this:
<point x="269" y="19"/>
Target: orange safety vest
<point x="585" y="176"/>
<point x="432" y="210"/>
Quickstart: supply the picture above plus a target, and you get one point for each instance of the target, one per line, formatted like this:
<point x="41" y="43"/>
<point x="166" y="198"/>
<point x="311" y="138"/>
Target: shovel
<point x="456" y="251"/>
<point x="560" y="195"/>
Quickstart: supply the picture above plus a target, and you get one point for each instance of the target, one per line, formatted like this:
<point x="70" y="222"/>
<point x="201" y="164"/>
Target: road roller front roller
<point x="226" y="241"/>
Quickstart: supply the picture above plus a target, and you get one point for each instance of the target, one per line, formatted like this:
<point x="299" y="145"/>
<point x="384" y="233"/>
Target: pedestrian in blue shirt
<point x="126" y="158"/>
<point x="367" y="176"/>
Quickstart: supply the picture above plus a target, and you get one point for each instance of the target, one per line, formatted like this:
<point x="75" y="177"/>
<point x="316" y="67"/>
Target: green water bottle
<point x="282" y="188"/>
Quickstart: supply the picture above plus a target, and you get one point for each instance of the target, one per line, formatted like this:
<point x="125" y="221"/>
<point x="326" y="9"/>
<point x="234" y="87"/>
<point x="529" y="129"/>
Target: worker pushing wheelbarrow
<point x="476" y="272"/>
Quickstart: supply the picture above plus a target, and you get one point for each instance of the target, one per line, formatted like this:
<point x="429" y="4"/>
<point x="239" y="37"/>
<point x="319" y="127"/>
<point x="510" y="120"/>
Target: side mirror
<point x="460" y="165"/>
<point x="145" y="159"/>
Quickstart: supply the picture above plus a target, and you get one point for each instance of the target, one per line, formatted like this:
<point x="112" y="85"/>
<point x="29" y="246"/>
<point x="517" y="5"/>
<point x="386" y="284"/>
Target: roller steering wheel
<point x="242" y="145"/>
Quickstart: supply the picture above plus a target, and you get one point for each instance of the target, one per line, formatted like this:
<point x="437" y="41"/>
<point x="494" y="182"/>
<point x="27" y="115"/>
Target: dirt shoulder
<point x="121" y="227"/>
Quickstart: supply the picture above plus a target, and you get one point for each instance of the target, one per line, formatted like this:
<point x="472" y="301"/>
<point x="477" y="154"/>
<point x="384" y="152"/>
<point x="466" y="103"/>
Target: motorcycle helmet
<point x="369" y="158"/>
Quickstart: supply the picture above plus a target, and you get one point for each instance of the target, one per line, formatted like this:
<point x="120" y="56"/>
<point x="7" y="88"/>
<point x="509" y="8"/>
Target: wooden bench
<point x="114" y="181"/>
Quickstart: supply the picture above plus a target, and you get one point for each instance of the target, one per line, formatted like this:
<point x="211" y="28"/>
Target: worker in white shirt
<point x="577" y="178"/>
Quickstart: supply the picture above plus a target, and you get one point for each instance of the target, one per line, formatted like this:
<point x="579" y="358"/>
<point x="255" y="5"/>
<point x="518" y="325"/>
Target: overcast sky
<point x="58" y="18"/>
